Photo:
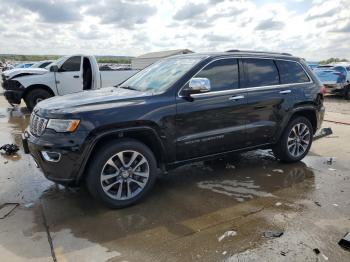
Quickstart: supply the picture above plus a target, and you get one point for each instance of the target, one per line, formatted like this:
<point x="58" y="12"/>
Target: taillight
<point x="323" y="90"/>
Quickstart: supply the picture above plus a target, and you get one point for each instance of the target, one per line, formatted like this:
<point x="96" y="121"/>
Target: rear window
<point x="291" y="72"/>
<point x="261" y="72"/>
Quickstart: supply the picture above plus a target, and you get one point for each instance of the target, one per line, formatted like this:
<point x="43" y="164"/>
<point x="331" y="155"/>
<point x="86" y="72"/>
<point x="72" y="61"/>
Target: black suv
<point x="179" y="110"/>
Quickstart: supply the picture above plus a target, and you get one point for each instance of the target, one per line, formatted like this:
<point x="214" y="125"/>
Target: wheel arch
<point x="146" y="135"/>
<point x="309" y="113"/>
<point x="306" y="111"/>
<point x="37" y="86"/>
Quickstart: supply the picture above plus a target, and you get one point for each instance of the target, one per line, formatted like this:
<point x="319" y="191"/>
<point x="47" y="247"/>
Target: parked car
<point x="345" y="68"/>
<point x="106" y="68"/>
<point x="19" y="67"/>
<point x="335" y="78"/>
<point x="69" y="74"/>
<point x="6" y="67"/>
<point x="24" y="65"/>
<point x="179" y="110"/>
<point x="42" y="64"/>
<point x="312" y="65"/>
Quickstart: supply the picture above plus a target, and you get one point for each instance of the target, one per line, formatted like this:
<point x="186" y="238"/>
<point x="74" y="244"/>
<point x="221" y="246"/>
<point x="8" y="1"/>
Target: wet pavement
<point x="208" y="211"/>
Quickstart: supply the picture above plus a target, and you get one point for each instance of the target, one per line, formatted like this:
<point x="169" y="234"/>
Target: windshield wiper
<point x="128" y="87"/>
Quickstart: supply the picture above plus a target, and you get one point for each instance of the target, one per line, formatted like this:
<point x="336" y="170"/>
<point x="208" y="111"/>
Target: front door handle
<point x="76" y="76"/>
<point x="285" y="91"/>
<point x="235" y="98"/>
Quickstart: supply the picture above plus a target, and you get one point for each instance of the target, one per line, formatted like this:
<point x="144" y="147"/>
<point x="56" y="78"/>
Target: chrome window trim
<point x="247" y="89"/>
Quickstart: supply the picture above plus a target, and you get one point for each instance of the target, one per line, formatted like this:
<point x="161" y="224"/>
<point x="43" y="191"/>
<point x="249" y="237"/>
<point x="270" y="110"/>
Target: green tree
<point x="333" y="60"/>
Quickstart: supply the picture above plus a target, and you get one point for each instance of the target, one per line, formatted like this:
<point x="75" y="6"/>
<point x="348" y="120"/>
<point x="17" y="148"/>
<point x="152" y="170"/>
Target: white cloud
<point x="123" y="27"/>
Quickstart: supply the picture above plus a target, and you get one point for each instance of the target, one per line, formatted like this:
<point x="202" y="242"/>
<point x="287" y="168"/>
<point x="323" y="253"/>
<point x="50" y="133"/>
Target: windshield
<point x="36" y="65"/>
<point x="161" y="75"/>
<point x="57" y="62"/>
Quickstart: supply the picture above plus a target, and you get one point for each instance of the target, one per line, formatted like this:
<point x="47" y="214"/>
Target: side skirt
<point x="176" y="164"/>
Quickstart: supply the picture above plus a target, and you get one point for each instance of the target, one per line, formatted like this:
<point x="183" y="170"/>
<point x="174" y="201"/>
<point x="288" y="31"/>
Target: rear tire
<point x="347" y="92"/>
<point x="120" y="183"/>
<point x="295" y="141"/>
<point x="35" y="96"/>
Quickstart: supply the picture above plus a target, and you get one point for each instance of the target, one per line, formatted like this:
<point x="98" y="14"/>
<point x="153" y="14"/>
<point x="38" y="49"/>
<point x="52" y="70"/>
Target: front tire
<point x="295" y="141"/>
<point x="121" y="173"/>
<point x="35" y="96"/>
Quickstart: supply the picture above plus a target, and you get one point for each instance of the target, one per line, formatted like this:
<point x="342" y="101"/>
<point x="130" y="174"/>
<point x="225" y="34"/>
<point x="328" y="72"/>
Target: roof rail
<point x="257" y="52"/>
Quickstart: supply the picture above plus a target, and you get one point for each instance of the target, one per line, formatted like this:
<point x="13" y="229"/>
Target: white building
<point x="142" y="61"/>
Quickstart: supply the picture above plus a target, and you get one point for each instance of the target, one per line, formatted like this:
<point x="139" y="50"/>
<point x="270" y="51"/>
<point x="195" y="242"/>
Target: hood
<point x="88" y="100"/>
<point x="28" y="71"/>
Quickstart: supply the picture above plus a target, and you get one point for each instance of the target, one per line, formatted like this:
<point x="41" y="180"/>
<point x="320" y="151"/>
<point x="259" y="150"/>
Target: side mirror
<point x="198" y="85"/>
<point x="54" y="68"/>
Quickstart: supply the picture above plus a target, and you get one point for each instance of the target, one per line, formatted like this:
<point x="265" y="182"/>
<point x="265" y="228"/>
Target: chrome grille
<point x="37" y="124"/>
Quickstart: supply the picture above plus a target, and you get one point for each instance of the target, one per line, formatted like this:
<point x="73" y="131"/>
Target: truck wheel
<point x="347" y="92"/>
<point x="35" y="96"/>
<point x="121" y="173"/>
<point x="295" y="141"/>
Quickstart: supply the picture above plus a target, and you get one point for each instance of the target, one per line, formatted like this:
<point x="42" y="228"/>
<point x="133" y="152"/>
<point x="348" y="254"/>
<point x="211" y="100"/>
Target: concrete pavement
<point x="190" y="212"/>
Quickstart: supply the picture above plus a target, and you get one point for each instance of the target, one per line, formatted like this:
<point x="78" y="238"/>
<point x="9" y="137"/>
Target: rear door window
<point x="222" y="74"/>
<point x="291" y="72"/>
<point x="261" y="72"/>
<point x="72" y="64"/>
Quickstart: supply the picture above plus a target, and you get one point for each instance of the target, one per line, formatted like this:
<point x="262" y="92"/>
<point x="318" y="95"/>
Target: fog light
<point x="51" y="156"/>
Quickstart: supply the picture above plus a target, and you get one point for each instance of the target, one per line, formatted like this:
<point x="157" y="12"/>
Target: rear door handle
<point x="235" y="98"/>
<point x="76" y="76"/>
<point x="286" y="92"/>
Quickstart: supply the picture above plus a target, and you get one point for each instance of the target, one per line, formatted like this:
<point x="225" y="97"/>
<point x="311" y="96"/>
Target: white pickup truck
<point x="69" y="74"/>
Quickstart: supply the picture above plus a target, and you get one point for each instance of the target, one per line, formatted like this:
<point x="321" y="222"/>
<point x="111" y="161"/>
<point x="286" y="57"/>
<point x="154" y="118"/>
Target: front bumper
<point x="14" y="96"/>
<point x="13" y="91"/>
<point x="68" y="146"/>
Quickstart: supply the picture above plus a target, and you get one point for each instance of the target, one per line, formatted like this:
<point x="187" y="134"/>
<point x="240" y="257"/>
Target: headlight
<point x="63" y="125"/>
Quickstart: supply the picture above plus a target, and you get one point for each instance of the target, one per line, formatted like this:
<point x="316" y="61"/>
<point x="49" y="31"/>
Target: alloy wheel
<point x="125" y="175"/>
<point x="298" y="140"/>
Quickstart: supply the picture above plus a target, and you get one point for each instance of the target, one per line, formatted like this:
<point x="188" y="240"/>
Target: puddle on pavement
<point x="239" y="190"/>
<point x="12" y="125"/>
<point x="196" y="199"/>
<point x="20" y="181"/>
<point x="198" y="195"/>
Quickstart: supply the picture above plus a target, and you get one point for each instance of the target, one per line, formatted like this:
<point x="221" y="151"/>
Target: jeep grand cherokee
<point x="179" y="110"/>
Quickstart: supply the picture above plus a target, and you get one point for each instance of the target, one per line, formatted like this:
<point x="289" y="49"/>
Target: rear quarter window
<point x="291" y="72"/>
<point x="261" y="72"/>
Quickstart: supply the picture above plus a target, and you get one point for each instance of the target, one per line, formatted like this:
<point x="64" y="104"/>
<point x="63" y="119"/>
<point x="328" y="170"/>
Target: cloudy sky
<point x="314" y="29"/>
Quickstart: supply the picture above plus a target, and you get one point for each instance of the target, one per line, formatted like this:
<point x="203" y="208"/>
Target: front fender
<point x="47" y="79"/>
<point x="94" y="139"/>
